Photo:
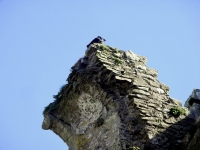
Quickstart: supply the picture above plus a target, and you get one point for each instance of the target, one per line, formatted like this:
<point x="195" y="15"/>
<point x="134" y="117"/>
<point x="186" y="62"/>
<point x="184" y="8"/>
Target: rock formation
<point x="113" y="101"/>
<point x="191" y="140"/>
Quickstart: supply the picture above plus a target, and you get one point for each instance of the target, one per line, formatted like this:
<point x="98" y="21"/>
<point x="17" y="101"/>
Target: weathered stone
<point x="157" y="96"/>
<point x="171" y="120"/>
<point x="146" y="76"/>
<point x="164" y="87"/>
<point x="123" y="79"/>
<point x="138" y="81"/>
<point x="193" y="98"/>
<point x="137" y="91"/>
<point x="164" y="125"/>
<point x="152" y="83"/>
<point x="191" y="139"/>
<point x="159" y="140"/>
<point x="142" y="88"/>
<point x="132" y="56"/>
<point x="144" y="97"/>
<point x="152" y="72"/>
<point x="195" y="111"/>
<point x="175" y="101"/>
<point x="90" y="51"/>
<point x="47" y="122"/>
<point x="160" y="91"/>
<point x="113" y="101"/>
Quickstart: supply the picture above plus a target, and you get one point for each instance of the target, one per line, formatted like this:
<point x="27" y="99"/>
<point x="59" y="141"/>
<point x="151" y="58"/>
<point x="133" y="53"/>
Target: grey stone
<point x="113" y="101"/>
<point x="193" y="98"/>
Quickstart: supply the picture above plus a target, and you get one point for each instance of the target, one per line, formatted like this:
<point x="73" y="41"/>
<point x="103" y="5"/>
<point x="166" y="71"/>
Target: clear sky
<point x="41" y="39"/>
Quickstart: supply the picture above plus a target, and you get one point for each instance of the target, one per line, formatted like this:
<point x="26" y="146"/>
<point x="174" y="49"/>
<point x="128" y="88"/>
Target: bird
<point x="98" y="39"/>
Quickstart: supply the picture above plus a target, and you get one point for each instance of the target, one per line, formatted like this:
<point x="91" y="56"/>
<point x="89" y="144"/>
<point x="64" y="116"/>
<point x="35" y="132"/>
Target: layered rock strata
<point x="113" y="101"/>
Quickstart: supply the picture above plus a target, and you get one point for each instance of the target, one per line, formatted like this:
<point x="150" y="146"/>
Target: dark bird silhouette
<point x="98" y="39"/>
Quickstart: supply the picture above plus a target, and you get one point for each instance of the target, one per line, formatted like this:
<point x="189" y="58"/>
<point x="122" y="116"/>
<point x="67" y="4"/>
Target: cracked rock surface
<point x="113" y="101"/>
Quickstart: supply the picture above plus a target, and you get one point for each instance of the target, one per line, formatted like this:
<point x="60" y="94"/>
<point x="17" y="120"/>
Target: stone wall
<point x="113" y="101"/>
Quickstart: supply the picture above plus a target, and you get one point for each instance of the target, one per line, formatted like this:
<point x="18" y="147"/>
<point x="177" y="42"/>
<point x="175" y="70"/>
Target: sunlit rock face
<point x="113" y="101"/>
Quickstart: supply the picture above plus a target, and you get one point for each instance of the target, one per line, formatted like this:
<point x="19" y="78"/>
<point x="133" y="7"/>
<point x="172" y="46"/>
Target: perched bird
<point x="98" y="39"/>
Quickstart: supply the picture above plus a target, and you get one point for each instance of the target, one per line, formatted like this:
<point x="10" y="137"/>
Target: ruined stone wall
<point x="113" y="101"/>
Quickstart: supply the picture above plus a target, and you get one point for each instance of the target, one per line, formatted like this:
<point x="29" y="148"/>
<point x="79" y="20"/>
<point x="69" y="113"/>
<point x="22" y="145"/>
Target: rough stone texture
<point x="113" y="101"/>
<point x="191" y="140"/>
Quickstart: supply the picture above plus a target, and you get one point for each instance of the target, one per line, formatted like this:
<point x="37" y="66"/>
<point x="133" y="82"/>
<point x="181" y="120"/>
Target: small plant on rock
<point x="177" y="111"/>
<point x="60" y="92"/>
<point x="54" y="105"/>
<point x="103" y="47"/>
<point x="100" y="122"/>
<point x="117" y="60"/>
<point x="115" y="50"/>
<point x="51" y="107"/>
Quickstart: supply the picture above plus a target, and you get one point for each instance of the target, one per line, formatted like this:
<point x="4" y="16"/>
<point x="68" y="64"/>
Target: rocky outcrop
<point x="113" y="101"/>
<point x="192" y="138"/>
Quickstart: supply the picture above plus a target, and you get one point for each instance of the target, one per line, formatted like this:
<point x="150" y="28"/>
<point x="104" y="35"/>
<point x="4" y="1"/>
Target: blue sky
<point x="41" y="40"/>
